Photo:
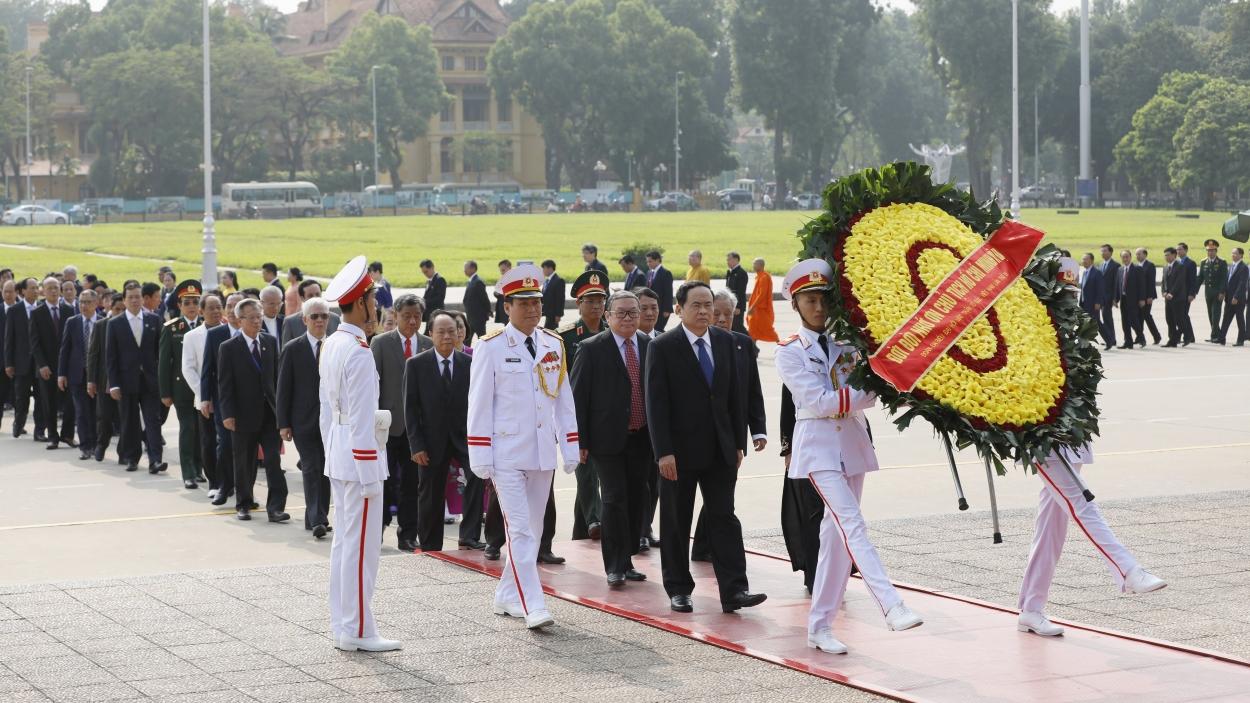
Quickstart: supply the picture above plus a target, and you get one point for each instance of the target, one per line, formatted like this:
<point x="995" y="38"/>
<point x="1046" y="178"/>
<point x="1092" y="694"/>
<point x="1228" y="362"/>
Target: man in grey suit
<point x="476" y="302"/>
<point x="294" y="327"/>
<point x="391" y="350"/>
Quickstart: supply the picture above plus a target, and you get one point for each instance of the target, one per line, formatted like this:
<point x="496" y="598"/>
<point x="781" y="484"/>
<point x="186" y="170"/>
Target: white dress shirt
<point x="136" y="326"/>
<point x="451" y="366"/>
<point x="193" y="344"/>
<point x="312" y="343"/>
<point x="271" y="326"/>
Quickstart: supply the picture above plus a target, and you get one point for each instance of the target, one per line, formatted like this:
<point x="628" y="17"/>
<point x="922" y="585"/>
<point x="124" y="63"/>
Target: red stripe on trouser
<point x="512" y="562"/>
<point x="1072" y="511"/>
<point x="846" y="544"/>
<point x="360" y="574"/>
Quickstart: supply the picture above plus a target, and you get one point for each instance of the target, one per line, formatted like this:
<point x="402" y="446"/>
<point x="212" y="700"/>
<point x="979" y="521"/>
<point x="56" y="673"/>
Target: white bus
<point x="293" y="199"/>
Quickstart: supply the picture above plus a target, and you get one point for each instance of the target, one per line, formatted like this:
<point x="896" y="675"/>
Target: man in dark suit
<point x="501" y="314"/>
<point x="736" y="282"/>
<point x="271" y="302"/>
<point x="1190" y="269"/>
<point x="1150" y="291"/>
<point x="699" y="437"/>
<point x="8" y="292"/>
<point x="72" y="371"/>
<point x="1174" y="290"/>
<point x="476" y="302"/>
<point x="1091" y="288"/>
<point x="435" y="287"/>
<point x="660" y="280"/>
<point x="131" y="352"/>
<point x="1213" y="275"/>
<point x="299" y="409"/>
<point x="609" y="368"/>
<point x="1235" y="292"/>
<point x="590" y="254"/>
<point x="1110" y="270"/>
<point x="634" y="276"/>
<point x="209" y="398"/>
<point x="247" y="380"/>
<point x="553" y="296"/>
<point x="106" y="412"/>
<point x="1131" y="294"/>
<point x="436" y="409"/>
<point x="19" y="365"/>
<point x="47" y="323"/>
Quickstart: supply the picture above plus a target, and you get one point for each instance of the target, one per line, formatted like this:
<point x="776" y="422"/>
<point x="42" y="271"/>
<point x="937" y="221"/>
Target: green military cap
<point x="189" y="288"/>
<point x="591" y="282"/>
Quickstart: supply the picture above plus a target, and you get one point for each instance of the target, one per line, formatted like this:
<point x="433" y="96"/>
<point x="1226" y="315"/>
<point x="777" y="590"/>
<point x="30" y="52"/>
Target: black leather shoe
<point x="1108" y="347"/>
<point x="18" y="432"/>
<point x="595" y="530"/>
<point x="40" y="437"/>
<point x="52" y="445"/>
<point x="549" y="558"/>
<point x="616" y="580"/>
<point x="643" y="546"/>
<point x="156" y="468"/>
<point x="319" y="531"/>
<point x="1170" y="344"/>
<point x="681" y="604"/>
<point x="1239" y="344"/>
<point x="201" y="478"/>
<point x="635" y="575"/>
<point x="84" y="456"/>
<point x="221" y="498"/>
<point x="472" y="544"/>
<point x="652" y="539"/>
<point x="253" y="506"/>
<point x="407" y="545"/>
<point x="190" y="485"/>
<point x="243" y="514"/>
<point x="1126" y="346"/>
<point x="742" y="599"/>
<point x="491" y="553"/>
<point x="99" y="455"/>
<point x="279" y="517"/>
<point x="132" y="466"/>
<point x="69" y="442"/>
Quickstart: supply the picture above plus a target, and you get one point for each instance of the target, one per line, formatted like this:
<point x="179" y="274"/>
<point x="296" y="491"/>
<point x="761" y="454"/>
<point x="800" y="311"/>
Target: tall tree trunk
<point x="779" y="155"/>
<point x="978" y="179"/>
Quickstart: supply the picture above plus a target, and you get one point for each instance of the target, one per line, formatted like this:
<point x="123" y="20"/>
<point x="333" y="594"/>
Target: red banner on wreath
<point x="951" y="307"/>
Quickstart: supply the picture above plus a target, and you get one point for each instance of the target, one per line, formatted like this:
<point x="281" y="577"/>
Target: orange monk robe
<point x="760" y="309"/>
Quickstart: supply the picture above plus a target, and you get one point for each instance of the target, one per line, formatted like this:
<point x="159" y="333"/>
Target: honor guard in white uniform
<point x="832" y="449"/>
<point x="522" y="426"/>
<point x="353" y="431"/>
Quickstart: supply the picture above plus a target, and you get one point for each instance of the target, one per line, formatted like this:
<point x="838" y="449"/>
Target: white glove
<point x="371" y="490"/>
<point x="381" y="426"/>
<point x="570" y="467"/>
<point x="483" y="471"/>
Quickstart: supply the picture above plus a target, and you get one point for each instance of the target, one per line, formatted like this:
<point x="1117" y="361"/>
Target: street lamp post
<point x="1015" y="108"/>
<point x="208" y="254"/>
<point x="659" y="175"/>
<point x="677" y="130"/>
<point x="29" y="161"/>
<point x="1084" y="170"/>
<point x="373" y="79"/>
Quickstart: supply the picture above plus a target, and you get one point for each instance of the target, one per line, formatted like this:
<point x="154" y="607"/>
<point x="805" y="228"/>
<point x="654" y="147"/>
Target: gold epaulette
<point x="553" y="334"/>
<point x="173" y="322"/>
<point x="490" y="335"/>
<point x="787" y="340"/>
<point x="567" y="327"/>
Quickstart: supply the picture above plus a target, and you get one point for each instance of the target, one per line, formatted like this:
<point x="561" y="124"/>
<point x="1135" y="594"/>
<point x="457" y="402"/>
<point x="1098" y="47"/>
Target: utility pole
<point x="677" y="131"/>
<point x="1084" y="173"/>
<point x="208" y="254"/>
<point x="373" y="78"/>
<point x="30" y="196"/>
<point x="1015" y="108"/>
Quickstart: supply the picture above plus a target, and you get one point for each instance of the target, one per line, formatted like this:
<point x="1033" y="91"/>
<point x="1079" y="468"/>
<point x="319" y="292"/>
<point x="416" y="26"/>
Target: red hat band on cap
<point x="355" y="292"/>
<point x="521" y="285"/>
<point x="811" y="280"/>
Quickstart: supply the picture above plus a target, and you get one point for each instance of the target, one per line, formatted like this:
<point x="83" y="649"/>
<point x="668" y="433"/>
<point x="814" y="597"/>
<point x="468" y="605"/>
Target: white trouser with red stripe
<point x="843" y="541"/>
<point x="523" y="502"/>
<point x="354" y="559"/>
<point x="1060" y="500"/>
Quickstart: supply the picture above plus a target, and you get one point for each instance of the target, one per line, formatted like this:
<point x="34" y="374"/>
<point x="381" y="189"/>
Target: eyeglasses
<point x="625" y="314"/>
<point x="319" y="316"/>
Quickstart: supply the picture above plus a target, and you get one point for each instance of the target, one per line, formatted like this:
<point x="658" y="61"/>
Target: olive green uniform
<point x="172" y="385"/>
<point x="1213" y="277"/>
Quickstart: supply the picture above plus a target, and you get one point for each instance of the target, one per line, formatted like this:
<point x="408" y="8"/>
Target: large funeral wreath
<point x="1022" y="380"/>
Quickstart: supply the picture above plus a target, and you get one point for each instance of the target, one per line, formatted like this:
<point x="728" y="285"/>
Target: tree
<point x="13" y="109"/>
<point x="1145" y="152"/>
<point x="483" y="152"/>
<point x="1131" y="72"/>
<point x="409" y="90"/>
<point x="301" y="100"/>
<point x="243" y="106"/>
<point x="1213" y="142"/>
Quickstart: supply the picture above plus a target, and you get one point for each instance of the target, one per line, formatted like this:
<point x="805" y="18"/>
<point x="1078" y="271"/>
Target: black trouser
<point x="142" y="408"/>
<point x="312" y="465"/>
<point x="84" y="416"/>
<point x="106" y="419"/>
<point x="1149" y="319"/>
<point x="57" y="403"/>
<point x="496" y="535"/>
<point x="662" y="322"/>
<point x="23" y="389"/>
<point x="1172" y="316"/>
<point x="208" y="448"/>
<point x="738" y="324"/>
<point x="189" y="450"/>
<point x="716" y="484"/>
<point x="1130" y="322"/>
<point x="651" y="500"/>
<point x="1182" y="321"/>
<point x="1214" y="310"/>
<point x="550" y="322"/>
<point x="587" y="505"/>
<point x="400" y="488"/>
<point x="6" y="391"/>
<point x="225" y="456"/>
<point x="623" y="482"/>
<point x="1233" y="312"/>
<point x="432" y="499"/>
<point x="1106" y="323"/>
<point x="244" y="445"/>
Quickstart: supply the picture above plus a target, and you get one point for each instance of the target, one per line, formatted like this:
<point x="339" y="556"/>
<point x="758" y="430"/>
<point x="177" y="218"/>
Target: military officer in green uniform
<point x="174" y="390"/>
<point x="1213" y="276"/>
<point x="591" y="291"/>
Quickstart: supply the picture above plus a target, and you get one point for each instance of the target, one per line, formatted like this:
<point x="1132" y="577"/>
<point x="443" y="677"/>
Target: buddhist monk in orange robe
<point x="760" y="306"/>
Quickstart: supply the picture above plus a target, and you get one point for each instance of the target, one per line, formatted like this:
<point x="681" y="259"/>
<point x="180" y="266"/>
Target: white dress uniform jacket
<point x="349" y="399"/>
<point x="193" y="359"/>
<point x="520" y="408"/>
<point x="830" y="432"/>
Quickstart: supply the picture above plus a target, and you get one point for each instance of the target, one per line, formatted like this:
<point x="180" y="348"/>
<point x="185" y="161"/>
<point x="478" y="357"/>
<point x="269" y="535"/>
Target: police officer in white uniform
<point x="832" y="449"/>
<point x="520" y="410"/>
<point x="354" y="432"/>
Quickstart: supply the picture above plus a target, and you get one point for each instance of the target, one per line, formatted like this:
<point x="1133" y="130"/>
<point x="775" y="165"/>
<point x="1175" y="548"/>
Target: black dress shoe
<point x="1108" y="346"/>
<point x="329" y="528"/>
<point x="40" y="437"/>
<point x="549" y="558"/>
<point x="162" y="466"/>
<point x="634" y="575"/>
<point x="201" y="478"/>
<point x="221" y="498"/>
<point x="132" y="466"/>
<point x="491" y="553"/>
<point x="681" y="604"/>
<point x="1186" y="343"/>
<point x="279" y="517"/>
<point x="742" y="599"/>
<point x="652" y="539"/>
<point x="18" y="432"/>
<point x="190" y="485"/>
<point x="616" y="580"/>
<point x="319" y="531"/>
<point x="243" y="514"/>
<point x="1170" y="344"/>
<point x="643" y="546"/>
<point x="84" y="456"/>
<point x="1126" y="346"/>
<point x="595" y="530"/>
<point x="52" y="445"/>
<point x="68" y="441"/>
<point x="99" y="455"/>
<point x="253" y="506"/>
<point x="407" y="545"/>
<point x="1239" y="344"/>
<point x="472" y="544"/>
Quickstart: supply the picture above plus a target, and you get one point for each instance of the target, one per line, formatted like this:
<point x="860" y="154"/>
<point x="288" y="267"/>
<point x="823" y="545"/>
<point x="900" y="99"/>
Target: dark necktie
<point x="824" y="345"/>
<point x="56" y="314"/>
<point x="318" y="351"/>
<point x="529" y="344"/>
<point x="705" y="361"/>
<point x="637" y="413"/>
<point x="256" y="352"/>
<point x="447" y="374"/>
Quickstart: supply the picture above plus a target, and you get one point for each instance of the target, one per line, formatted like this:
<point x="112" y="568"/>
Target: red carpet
<point x="966" y="650"/>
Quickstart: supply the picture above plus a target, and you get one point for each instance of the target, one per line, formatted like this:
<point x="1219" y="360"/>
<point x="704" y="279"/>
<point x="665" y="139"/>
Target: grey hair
<point x="726" y="295"/>
<point x="271" y="291"/>
<point x="87" y="295"/>
<point x="408" y="300"/>
<point x="70" y="269"/>
<point x="619" y="295"/>
<point x="307" y="308"/>
<point x="244" y="304"/>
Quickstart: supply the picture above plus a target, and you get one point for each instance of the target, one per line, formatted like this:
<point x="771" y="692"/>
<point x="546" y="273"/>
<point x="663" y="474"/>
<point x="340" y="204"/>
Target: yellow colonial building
<point x="464" y="31"/>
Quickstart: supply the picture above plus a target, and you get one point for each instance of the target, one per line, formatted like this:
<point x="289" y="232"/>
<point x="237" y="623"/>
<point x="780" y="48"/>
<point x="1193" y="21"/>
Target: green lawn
<point x="320" y="246"/>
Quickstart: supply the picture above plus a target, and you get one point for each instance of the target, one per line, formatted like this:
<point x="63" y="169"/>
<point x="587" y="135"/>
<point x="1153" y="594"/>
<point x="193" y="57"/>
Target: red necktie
<point x="637" y="415"/>
<point x="408" y="347"/>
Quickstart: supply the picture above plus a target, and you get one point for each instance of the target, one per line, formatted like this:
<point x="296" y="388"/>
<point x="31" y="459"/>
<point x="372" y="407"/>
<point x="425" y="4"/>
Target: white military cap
<point x="524" y="281"/>
<point x="808" y="274"/>
<point x="352" y="282"/>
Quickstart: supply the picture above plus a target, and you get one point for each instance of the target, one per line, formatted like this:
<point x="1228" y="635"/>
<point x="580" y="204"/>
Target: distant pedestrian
<point x="1110" y="270"/>
<point x="634" y="276"/>
<point x="1235" y="292"/>
<point x="1190" y="271"/>
<point x="736" y="281"/>
<point x="760" y="306"/>
<point x="590" y="254"/>
<point x="1174" y="297"/>
<point x="381" y="285"/>
<point x="553" y="295"/>
<point x="1151" y="291"/>
<point x="435" y="287"/>
<point x="697" y="271"/>
<point x="660" y="280"/>
<point x="501" y="314"/>
<point x="1130" y="291"/>
<point x="476" y="302"/>
<point x="1213" y="276"/>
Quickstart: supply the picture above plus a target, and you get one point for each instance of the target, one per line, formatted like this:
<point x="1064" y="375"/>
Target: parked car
<point x="809" y="201"/>
<point x="33" y="215"/>
<point x="672" y="202"/>
<point x="736" y="196"/>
